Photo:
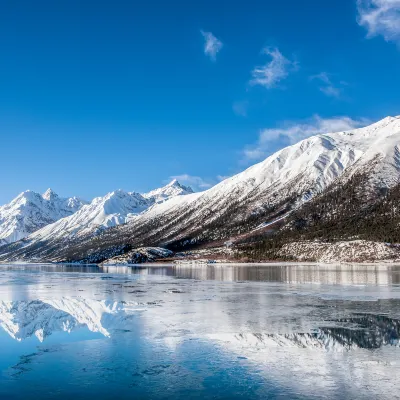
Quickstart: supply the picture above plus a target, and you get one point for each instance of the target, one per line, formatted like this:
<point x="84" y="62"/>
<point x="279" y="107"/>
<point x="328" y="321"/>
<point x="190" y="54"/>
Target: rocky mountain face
<point x="139" y="256"/>
<point x="289" y="195"/>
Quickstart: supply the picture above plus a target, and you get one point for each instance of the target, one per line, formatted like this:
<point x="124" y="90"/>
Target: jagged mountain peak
<point x="30" y="211"/>
<point x="116" y="193"/>
<point x="172" y="189"/>
<point x="176" y="183"/>
<point x="50" y="194"/>
<point x="115" y="208"/>
<point x="27" y="195"/>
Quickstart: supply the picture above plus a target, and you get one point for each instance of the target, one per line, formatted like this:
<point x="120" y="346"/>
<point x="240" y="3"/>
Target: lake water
<point x="207" y="332"/>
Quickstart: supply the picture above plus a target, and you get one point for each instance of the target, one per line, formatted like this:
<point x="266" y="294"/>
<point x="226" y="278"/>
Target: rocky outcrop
<point x="139" y="256"/>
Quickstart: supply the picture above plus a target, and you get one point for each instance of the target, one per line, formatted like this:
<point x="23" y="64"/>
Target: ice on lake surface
<point x="206" y="332"/>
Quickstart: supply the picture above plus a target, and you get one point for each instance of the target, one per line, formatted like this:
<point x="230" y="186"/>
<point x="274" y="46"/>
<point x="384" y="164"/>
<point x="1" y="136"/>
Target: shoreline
<point x="200" y="264"/>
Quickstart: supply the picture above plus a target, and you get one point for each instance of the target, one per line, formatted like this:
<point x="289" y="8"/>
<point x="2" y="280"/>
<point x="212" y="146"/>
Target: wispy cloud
<point x="240" y="108"/>
<point x="273" y="72"/>
<point x="380" y="17"/>
<point x="223" y="177"/>
<point x="331" y="91"/>
<point x="196" y="182"/>
<point x="327" y="86"/>
<point x="212" y="45"/>
<point x="294" y="131"/>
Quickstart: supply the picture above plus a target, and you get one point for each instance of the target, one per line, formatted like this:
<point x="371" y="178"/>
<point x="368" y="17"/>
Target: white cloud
<point x="327" y="86"/>
<point x="212" y="45"/>
<point x="271" y="73"/>
<point x="380" y="17"/>
<point x="195" y="182"/>
<point x="293" y="132"/>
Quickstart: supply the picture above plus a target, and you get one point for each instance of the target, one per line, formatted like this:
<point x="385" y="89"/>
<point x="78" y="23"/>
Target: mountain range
<point x="30" y="211"/>
<point x="328" y="180"/>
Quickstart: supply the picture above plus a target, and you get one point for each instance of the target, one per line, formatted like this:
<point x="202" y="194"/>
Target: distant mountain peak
<point x="115" y="208"/>
<point x="31" y="211"/>
<point x="50" y="194"/>
<point x="177" y="184"/>
<point x="174" y="182"/>
<point x="172" y="189"/>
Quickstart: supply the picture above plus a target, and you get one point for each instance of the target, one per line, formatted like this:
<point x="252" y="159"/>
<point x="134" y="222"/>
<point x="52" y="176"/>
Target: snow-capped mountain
<point x="31" y="211"/>
<point x="113" y="209"/>
<point x="103" y="212"/>
<point x="381" y="158"/>
<point x="174" y="188"/>
<point x="292" y="175"/>
<point x="262" y="194"/>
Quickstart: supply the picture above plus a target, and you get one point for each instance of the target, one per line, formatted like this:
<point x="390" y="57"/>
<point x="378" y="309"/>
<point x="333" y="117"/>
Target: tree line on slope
<point x="346" y="211"/>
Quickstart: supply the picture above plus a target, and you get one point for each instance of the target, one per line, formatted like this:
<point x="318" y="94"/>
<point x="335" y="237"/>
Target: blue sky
<point x="100" y="95"/>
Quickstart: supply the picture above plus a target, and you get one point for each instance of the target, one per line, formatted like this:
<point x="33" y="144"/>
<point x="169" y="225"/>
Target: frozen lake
<point x="207" y="332"/>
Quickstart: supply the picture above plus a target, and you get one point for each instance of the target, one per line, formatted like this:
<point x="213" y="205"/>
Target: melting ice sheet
<point x="278" y="331"/>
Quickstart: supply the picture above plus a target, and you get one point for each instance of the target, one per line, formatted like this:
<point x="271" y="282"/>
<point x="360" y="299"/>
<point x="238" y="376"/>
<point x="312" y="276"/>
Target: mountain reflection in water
<point x="289" y="331"/>
<point x="22" y="320"/>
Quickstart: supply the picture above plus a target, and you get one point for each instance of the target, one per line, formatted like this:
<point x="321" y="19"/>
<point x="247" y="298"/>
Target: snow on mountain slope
<point x="303" y="169"/>
<point x="284" y="180"/>
<point x="113" y="209"/>
<point x="31" y="211"/>
<point x="174" y="188"/>
<point x="381" y="160"/>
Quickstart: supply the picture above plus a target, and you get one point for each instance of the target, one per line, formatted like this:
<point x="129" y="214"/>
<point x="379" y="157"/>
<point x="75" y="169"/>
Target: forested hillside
<point x="344" y="212"/>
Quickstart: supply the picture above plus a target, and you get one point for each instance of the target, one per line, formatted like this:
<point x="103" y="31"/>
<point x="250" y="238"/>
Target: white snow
<point x="31" y="211"/>
<point x="113" y="209"/>
<point x="303" y="170"/>
<point x="174" y="188"/>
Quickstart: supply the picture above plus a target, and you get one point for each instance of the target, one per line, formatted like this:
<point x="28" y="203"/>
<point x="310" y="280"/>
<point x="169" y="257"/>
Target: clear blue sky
<point x="100" y="95"/>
